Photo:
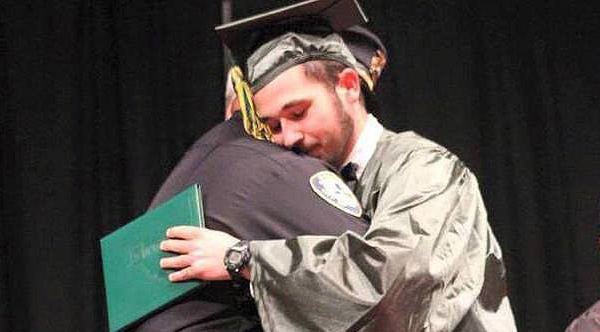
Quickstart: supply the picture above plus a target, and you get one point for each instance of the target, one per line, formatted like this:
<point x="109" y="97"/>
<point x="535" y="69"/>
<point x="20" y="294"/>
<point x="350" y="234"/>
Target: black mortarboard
<point x="245" y="35"/>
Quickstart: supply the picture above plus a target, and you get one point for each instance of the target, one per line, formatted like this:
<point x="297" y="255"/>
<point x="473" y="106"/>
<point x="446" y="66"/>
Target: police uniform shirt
<point x="253" y="190"/>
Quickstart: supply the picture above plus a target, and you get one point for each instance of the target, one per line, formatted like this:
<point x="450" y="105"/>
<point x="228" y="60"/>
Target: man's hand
<point x="201" y="252"/>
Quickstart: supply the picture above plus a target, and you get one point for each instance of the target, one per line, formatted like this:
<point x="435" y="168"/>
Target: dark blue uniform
<point x="252" y="190"/>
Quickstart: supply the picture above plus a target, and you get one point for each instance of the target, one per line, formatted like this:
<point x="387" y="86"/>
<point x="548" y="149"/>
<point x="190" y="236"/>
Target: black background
<point x="99" y="99"/>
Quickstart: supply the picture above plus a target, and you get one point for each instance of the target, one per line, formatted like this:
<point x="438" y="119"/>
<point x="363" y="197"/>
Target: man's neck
<point x="358" y="125"/>
<point x="364" y="144"/>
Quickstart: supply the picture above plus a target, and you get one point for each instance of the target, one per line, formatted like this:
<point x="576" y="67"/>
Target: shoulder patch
<point x="334" y="191"/>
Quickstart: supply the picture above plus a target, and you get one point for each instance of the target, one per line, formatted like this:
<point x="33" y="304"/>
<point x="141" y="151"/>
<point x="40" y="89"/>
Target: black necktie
<point x="348" y="174"/>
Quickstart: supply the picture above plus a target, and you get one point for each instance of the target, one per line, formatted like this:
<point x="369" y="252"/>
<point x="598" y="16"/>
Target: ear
<point x="232" y="107"/>
<point x="348" y="85"/>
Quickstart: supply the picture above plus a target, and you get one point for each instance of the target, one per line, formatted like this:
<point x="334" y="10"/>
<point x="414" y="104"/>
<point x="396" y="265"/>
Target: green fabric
<point x="290" y="49"/>
<point x="429" y="261"/>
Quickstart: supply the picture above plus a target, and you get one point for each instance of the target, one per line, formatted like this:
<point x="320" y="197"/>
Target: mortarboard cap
<point x="242" y="35"/>
<point x="267" y="44"/>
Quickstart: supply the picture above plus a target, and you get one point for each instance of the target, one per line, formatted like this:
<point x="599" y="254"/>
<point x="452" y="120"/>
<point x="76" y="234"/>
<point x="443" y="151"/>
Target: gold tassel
<point x="252" y="123"/>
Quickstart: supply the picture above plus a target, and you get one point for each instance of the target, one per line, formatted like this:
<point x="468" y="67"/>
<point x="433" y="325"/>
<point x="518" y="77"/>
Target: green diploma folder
<point x="134" y="282"/>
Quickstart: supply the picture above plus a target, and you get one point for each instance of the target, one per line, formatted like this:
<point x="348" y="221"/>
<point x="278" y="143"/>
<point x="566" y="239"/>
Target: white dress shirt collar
<point x="365" y="145"/>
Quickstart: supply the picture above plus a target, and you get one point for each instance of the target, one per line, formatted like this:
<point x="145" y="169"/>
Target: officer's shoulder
<point x="223" y="132"/>
<point x="251" y="155"/>
<point x="279" y="157"/>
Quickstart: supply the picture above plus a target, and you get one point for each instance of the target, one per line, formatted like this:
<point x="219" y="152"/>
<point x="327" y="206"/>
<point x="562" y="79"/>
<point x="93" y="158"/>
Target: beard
<point x="346" y="131"/>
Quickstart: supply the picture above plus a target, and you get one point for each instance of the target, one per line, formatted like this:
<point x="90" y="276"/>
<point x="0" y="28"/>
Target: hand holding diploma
<point x="201" y="252"/>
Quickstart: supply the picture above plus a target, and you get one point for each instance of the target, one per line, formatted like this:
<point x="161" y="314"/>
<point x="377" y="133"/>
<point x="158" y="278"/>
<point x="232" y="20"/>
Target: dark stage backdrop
<point x="99" y="99"/>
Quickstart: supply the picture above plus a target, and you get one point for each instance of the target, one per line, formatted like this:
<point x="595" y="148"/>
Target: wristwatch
<point x="236" y="258"/>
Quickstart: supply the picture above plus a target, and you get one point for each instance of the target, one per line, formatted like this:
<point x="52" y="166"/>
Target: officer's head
<point x="310" y="68"/>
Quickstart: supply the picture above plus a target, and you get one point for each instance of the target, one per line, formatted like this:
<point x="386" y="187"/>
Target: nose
<point x="288" y="136"/>
<point x="291" y="139"/>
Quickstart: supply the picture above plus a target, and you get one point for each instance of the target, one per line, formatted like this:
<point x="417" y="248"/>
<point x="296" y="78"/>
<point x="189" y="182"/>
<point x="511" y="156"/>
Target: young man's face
<point x="305" y="114"/>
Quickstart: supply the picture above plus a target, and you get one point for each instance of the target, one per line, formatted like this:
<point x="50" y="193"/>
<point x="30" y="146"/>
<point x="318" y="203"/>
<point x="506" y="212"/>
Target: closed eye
<point x="296" y="110"/>
<point x="274" y="124"/>
<point x="299" y="114"/>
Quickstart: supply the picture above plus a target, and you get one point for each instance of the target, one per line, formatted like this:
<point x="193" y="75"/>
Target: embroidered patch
<point x="334" y="191"/>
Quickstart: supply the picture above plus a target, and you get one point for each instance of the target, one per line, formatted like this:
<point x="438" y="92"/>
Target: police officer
<point x="252" y="189"/>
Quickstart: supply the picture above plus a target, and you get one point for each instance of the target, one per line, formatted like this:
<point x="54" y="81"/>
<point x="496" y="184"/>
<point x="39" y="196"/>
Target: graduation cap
<point x="337" y="14"/>
<point x="267" y="44"/>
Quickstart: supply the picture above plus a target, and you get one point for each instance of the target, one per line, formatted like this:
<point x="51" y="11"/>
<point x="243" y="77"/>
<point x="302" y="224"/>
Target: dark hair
<point x="327" y="71"/>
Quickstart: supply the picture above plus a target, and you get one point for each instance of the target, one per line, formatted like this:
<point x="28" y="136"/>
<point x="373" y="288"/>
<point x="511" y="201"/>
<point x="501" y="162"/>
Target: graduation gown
<point x="429" y="261"/>
<point x="253" y="190"/>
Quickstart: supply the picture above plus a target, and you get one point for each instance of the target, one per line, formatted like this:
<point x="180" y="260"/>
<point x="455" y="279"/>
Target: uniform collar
<point x="365" y="145"/>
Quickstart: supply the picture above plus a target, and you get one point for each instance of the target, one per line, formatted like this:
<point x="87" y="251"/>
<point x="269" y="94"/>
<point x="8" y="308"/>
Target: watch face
<point x="235" y="257"/>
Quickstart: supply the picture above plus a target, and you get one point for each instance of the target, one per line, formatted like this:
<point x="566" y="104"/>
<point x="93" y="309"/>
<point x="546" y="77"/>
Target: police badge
<point x="334" y="191"/>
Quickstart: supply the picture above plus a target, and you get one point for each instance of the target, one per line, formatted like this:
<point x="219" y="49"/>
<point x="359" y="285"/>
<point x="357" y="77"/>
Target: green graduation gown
<point x="429" y="261"/>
